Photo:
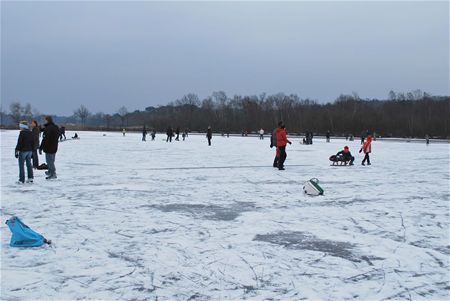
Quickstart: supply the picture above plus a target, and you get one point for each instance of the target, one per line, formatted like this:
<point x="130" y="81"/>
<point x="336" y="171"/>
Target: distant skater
<point x="177" y="132"/>
<point x="328" y="136"/>
<point x="281" y="144"/>
<point x="427" y="139"/>
<point x="169" y="133"/>
<point x="153" y="134"/>
<point x="24" y="152"/>
<point x="367" y="149"/>
<point x="261" y="134"/>
<point x="36" y="133"/>
<point x="123" y="132"/>
<point x="62" y="132"/>
<point x="209" y="135"/>
<point x="144" y="134"/>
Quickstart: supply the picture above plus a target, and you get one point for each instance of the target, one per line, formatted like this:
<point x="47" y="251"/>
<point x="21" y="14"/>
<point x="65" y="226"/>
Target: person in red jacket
<point x="367" y="149"/>
<point x="282" y="140"/>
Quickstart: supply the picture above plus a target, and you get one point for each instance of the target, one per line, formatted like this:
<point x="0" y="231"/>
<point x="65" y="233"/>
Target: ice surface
<point x="133" y="220"/>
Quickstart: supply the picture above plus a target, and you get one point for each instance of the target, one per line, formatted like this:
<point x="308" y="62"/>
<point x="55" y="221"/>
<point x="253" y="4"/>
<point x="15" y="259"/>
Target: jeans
<point x="25" y="157"/>
<point x="35" y="158"/>
<point x="50" y="158"/>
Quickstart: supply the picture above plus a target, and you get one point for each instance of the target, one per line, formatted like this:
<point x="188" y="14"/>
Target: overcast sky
<point x="57" y="56"/>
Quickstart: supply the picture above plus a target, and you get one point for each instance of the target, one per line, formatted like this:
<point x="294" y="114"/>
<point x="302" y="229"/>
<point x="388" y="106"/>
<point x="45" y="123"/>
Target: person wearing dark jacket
<point x="36" y="133"/>
<point x="273" y="142"/>
<point x="169" y="134"/>
<point x="177" y="131"/>
<point x="49" y="145"/>
<point x="344" y="156"/>
<point x="209" y="135"/>
<point x="24" y="151"/>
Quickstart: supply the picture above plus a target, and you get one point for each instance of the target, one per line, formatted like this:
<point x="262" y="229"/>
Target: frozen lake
<point x="133" y="220"/>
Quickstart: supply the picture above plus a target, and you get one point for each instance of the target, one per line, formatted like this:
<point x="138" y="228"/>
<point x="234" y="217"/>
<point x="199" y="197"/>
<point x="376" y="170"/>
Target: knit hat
<point x="23" y="125"/>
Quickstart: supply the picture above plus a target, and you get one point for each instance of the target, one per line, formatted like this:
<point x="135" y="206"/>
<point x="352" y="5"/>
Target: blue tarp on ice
<point x="22" y="235"/>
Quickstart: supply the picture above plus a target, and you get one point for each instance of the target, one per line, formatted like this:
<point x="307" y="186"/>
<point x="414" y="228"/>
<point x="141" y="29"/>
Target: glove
<point x="271" y="145"/>
<point x="360" y="150"/>
<point x="40" y="151"/>
<point x="289" y="142"/>
<point x="16" y="154"/>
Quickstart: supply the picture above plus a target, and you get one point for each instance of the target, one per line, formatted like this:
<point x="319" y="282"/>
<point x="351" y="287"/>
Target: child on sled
<point x="343" y="157"/>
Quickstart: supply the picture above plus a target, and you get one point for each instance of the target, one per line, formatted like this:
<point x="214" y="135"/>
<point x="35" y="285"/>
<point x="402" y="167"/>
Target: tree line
<point x="412" y="114"/>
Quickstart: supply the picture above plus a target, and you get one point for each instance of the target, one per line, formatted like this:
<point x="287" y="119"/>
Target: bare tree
<point x="16" y="111"/>
<point x="27" y="111"/>
<point x="123" y="113"/>
<point x="83" y="113"/>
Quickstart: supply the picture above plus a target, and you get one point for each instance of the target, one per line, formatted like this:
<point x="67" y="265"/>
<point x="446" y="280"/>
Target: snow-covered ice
<point x="133" y="220"/>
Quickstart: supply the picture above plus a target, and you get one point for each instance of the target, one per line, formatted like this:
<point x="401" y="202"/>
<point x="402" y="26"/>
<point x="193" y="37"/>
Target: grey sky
<point x="57" y="56"/>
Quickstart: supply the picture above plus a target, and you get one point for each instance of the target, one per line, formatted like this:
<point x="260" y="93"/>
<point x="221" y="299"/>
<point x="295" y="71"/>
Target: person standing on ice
<point x="169" y="133"/>
<point x="273" y="142"/>
<point x="427" y="139"/>
<point x="367" y="149"/>
<point x="281" y="144"/>
<point x="261" y="134"/>
<point x="177" y="131"/>
<point x="153" y="134"/>
<point x="328" y="136"/>
<point x="144" y="134"/>
<point x="24" y="152"/>
<point x="49" y="145"/>
<point x="36" y="132"/>
<point x="209" y="135"/>
<point x="123" y="132"/>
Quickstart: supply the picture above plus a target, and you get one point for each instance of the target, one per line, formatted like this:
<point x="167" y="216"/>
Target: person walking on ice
<point x="144" y="134"/>
<point x="261" y="134"/>
<point x="24" y="152"/>
<point x="123" y="132"/>
<point x="209" y="135"/>
<point x="281" y="144"/>
<point x="367" y="149"/>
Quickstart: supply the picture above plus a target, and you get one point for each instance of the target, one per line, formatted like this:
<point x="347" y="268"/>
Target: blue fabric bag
<point x="23" y="236"/>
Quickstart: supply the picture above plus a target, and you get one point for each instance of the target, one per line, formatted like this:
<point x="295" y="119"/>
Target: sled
<point x="23" y="236"/>
<point x="339" y="161"/>
<point x="312" y="187"/>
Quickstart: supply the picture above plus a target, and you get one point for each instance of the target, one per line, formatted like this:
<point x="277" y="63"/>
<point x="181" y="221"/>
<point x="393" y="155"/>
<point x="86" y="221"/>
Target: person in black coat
<point x="343" y="156"/>
<point x="177" y="131"/>
<point x="169" y="133"/>
<point x="49" y="145"/>
<point x="24" y="152"/>
<point x="36" y="133"/>
<point x="209" y="135"/>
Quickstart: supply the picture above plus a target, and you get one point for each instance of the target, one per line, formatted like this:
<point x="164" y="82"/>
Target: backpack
<point x="23" y="236"/>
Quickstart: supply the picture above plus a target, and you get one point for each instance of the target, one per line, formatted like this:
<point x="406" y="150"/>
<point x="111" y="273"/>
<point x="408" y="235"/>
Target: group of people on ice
<point x="345" y="157"/>
<point x="28" y="146"/>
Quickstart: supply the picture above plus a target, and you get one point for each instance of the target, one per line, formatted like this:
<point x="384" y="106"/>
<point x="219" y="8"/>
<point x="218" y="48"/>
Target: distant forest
<point x="412" y="114"/>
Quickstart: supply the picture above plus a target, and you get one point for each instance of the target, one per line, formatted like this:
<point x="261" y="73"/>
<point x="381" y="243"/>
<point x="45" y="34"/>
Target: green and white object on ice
<point x="312" y="187"/>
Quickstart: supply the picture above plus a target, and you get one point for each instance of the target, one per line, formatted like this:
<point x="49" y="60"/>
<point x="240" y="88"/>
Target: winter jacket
<point x="209" y="133"/>
<point x="281" y="137"/>
<point x="35" y="132"/>
<point x="273" y="138"/>
<point x="25" y="141"/>
<point x="367" y="146"/>
<point x="169" y="131"/>
<point x="50" y="139"/>
<point x="346" y="156"/>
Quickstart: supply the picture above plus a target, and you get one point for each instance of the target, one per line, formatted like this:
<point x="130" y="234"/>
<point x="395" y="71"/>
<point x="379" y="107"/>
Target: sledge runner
<point x="24" y="151"/>
<point x="281" y="144"/>
<point x="343" y="157"/>
<point x="367" y="148"/>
